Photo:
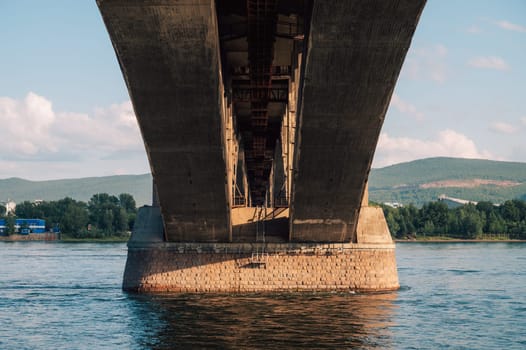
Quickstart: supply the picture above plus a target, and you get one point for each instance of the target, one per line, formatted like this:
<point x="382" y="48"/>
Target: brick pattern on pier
<point x="183" y="270"/>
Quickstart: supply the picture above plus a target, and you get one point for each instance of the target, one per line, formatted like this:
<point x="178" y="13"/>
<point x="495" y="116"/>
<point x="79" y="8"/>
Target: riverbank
<point x="50" y="236"/>
<point x="109" y="239"/>
<point x="443" y="239"/>
<point x="56" y="237"/>
<point x="46" y="236"/>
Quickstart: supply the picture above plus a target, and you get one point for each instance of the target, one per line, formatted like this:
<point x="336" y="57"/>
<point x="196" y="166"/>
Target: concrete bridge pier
<point x="252" y="104"/>
<point x="154" y="265"/>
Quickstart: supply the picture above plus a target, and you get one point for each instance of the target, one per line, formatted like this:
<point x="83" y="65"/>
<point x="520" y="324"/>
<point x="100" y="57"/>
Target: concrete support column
<point x="169" y="55"/>
<point x="353" y="59"/>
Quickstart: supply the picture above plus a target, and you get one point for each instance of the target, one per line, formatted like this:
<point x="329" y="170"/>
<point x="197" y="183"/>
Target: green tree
<point x="106" y="222"/>
<point x="10" y="222"/>
<point x="28" y="210"/>
<point x="392" y="222"/>
<point x="101" y="212"/>
<point x="74" y="216"/>
<point x="454" y="227"/>
<point x="467" y="221"/>
<point x="471" y="222"/>
<point x="127" y="202"/>
<point x="429" y="227"/>
<point x="111" y="215"/>
<point x="495" y="224"/>
<point x="120" y="221"/>
<point x="410" y="214"/>
<point x="510" y="211"/>
<point x="434" y="218"/>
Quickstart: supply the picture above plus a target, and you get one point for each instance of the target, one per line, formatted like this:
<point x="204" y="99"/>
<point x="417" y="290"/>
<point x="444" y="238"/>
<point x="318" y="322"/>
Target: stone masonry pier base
<point x="258" y="267"/>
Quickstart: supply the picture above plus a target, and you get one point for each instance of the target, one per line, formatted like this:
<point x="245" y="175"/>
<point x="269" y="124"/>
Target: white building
<point x="10" y="206"/>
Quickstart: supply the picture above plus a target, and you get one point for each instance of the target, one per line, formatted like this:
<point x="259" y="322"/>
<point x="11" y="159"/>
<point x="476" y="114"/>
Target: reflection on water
<point x="263" y="321"/>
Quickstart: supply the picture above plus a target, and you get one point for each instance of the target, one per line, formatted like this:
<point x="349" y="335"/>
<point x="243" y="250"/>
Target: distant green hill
<point x="20" y="190"/>
<point x="416" y="182"/>
<point x="421" y="181"/>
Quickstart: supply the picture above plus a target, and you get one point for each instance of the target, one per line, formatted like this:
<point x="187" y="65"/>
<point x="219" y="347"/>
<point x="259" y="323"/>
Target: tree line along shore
<point x="104" y="217"/>
<point x="110" y="217"/>
<point x="436" y="221"/>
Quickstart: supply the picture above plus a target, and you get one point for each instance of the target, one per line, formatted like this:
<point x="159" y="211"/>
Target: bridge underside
<point x="260" y="103"/>
<point x="260" y="117"/>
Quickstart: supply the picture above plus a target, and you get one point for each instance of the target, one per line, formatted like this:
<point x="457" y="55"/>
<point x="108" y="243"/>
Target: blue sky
<point x="65" y="111"/>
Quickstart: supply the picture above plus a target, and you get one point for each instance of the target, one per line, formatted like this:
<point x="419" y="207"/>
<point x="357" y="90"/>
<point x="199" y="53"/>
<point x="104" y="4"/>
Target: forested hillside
<point x="19" y="190"/>
<point x="416" y="182"/>
<point x="422" y="181"/>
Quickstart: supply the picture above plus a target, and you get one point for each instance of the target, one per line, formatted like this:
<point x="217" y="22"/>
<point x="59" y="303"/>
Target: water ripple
<point x="64" y="296"/>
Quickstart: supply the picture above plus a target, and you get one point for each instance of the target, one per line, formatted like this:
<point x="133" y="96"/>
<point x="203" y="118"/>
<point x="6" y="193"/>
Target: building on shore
<point x="24" y="226"/>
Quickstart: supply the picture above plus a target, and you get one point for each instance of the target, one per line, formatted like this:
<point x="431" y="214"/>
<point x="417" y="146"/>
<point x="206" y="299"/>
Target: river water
<point x="453" y="295"/>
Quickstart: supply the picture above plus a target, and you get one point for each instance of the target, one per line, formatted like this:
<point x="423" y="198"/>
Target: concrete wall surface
<point x="189" y="268"/>
<point x="169" y="55"/>
<point x="354" y="55"/>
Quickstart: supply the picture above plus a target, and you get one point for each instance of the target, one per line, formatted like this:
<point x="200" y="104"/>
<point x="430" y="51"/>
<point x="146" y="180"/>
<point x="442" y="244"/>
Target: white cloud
<point x="26" y="126"/>
<point x="426" y="63"/>
<point x="474" y="30"/>
<point x="503" y="128"/>
<point x="523" y="121"/>
<point x="491" y="62"/>
<point x="66" y="144"/>
<point x="122" y="113"/>
<point x="447" y="143"/>
<point x="109" y="129"/>
<point x="511" y="26"/>
<point x="406" y="108"/>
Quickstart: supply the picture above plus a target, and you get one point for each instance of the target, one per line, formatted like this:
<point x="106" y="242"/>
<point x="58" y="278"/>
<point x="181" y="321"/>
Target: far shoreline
<point x="55" y="238"/>
<point x="454" y="240"/>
